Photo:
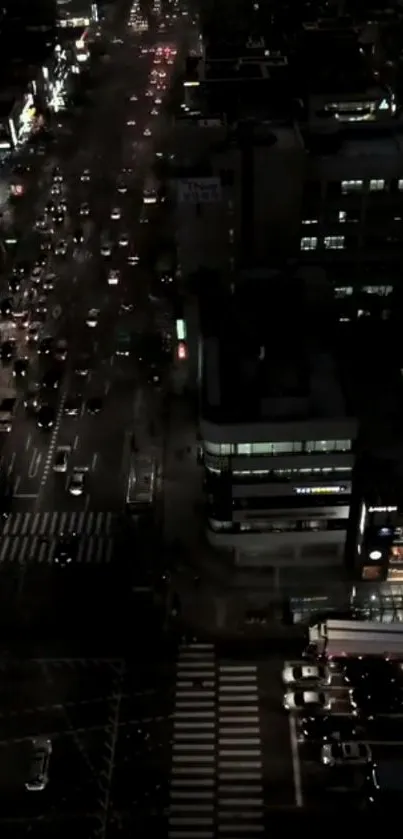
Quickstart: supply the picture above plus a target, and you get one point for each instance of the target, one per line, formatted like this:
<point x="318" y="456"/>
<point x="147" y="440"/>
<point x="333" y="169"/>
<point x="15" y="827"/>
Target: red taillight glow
<point x="182" y="351"/>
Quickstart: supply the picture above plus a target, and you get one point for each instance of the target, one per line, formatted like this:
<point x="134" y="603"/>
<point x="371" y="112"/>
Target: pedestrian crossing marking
<point x="21" y="550"/>
<point x="43" y="524"/>
<point x="216" y="748"/>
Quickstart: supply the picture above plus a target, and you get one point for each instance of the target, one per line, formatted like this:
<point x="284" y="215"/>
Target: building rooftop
<point x="274" y="351"/>
<point x="331" y="61"/>
<point x="383" y="142"/>
<point x="260" y="364"/>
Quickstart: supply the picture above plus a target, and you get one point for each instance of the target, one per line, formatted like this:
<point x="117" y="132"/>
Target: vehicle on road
<point x="142" y="485"/>
<point x="66" y="549"/>
<point x="61" y="459"/>
<point x="7" y="350"/>
<point x="92" y="318"/>
<point x="352" y="753"/>
<point x="76" y="482"/>
<point x="46" y="417"/>
<point x="72" y="406"/>
<point x="21" y="367"/>
<point x="113" y="277"/>
<point x="304" y="672"/>
<point x="307" y="700"/>
<point x="38" y="773"/>
<point x="8" y="404"/>
<point x="94" y="405"/>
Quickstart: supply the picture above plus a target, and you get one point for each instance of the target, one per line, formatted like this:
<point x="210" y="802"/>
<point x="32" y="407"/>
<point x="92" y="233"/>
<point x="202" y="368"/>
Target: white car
<point x="76" y="482"/>
<point x="133" y="258"/>
<point x="147" y="132"/>
<point x="305" y="672"/>
<point x="84" y="210"/>
<point x="158" y="101"/>
<point x="61" y="248"/>
<point x="154" y="112"/>
<point x="115" y="213"/>
<point x="38" y="774"/>
<point x="351" y="753"/>
<point x="86" y="176"/>
<point x="306" y="700"/>
<point x="123" y="240"/>
<point x="113" y="277"/>
<point x="131" y="123"/>
<point x="133" y="98"/>
<point x="92" y="318"/>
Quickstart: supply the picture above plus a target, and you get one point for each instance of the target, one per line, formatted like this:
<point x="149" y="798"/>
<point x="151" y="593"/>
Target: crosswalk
<point x="33" y="537"/>
<point x="216" y="789"/>
<point x="47" y="524"/>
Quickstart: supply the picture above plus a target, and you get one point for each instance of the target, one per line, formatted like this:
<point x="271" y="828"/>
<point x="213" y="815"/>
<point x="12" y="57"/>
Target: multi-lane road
<point x="112" y="146"/>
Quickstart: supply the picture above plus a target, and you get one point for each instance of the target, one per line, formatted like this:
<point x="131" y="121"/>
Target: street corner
<point x="72" y="705"/>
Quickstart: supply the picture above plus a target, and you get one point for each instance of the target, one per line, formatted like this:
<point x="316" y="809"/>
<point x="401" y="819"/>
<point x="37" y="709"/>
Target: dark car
<point x="58" y="218"/>
<point x="72" y="406"/>
<point x="14" y="283"/>
<point x="50" y="207"/>
<point x="94" y="405"/>
<point x="66" y="550"/>
<point x="21" y="367"/>
<point x="45" y="417"/>
<point x="6" y="307"/>
<point x="78" y="236"/>
<point x="7" y="350"/>
<point x="40" y="262"/>
<point x="21" y="269"/>
<point x="82" y="365"/>
<point x="46" y="245"/>
<point x="51" y="379"/>
<point x="45" y="345"/>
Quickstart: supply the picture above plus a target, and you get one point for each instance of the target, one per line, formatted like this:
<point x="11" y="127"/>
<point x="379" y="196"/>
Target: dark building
<point x="27" y="32"/>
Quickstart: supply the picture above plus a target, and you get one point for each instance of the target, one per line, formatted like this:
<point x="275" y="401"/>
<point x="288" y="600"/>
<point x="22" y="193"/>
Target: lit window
<point x="334" y="243"/>
<point x="376" y="185"/>
<point x="343" y="291"/>
<point x="309" y="243"/>
<point x="351" y="186"/>
<point x="309" y="221"/>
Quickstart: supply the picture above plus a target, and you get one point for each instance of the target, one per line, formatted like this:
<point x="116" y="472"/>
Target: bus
<point x="142" y="485"/>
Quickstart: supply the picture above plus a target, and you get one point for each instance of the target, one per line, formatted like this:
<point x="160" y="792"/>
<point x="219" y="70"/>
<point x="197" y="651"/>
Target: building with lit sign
<point x="76" y="14"/>
<point x="377" y="544"/>
<point x="277" y="435"/>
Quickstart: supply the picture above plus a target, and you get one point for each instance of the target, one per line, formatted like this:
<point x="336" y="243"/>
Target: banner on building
<point x="199" y="190"/>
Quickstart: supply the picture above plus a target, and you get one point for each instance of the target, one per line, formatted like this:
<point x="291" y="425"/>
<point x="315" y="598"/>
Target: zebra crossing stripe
<point x="94" y="550"/>
<point x="51" y="523"/>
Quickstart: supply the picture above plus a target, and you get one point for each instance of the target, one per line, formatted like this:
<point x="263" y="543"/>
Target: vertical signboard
<point x="199" y="190"/>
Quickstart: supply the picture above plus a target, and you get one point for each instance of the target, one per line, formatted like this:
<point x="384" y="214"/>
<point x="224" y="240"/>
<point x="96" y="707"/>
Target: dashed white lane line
<point x="53" y="441"/>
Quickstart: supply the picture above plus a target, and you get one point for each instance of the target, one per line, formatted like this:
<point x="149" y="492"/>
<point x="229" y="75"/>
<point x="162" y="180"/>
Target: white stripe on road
<point x="193" y="782"/>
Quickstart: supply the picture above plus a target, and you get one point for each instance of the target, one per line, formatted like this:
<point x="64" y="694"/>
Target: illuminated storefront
<point x="380" y="542"/>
